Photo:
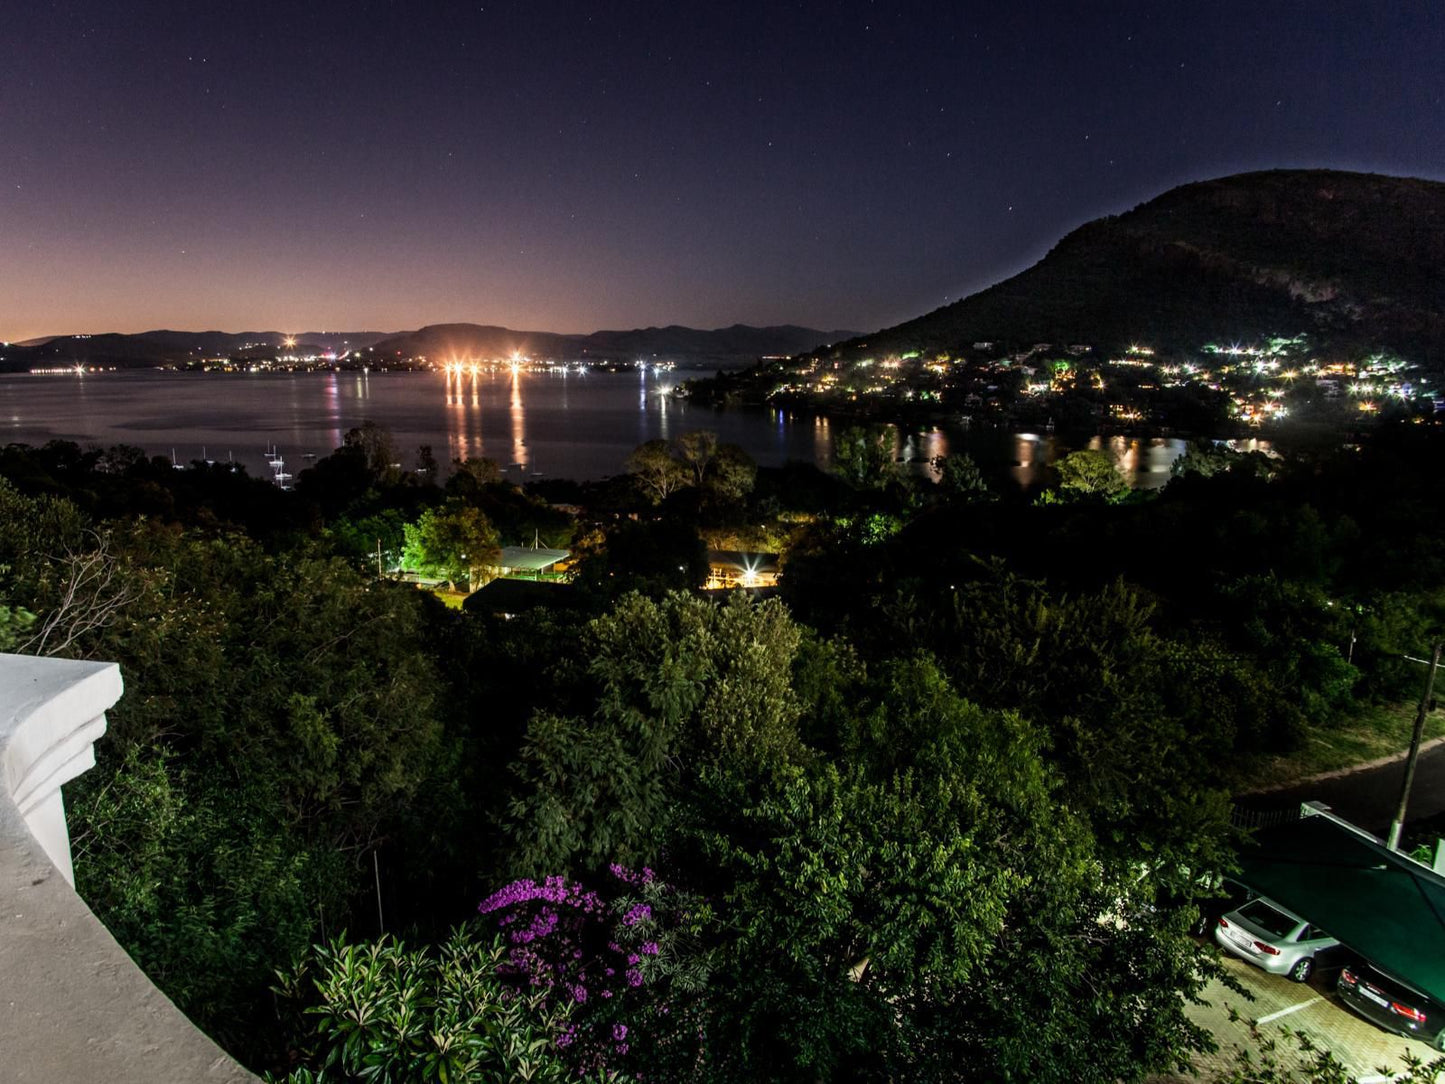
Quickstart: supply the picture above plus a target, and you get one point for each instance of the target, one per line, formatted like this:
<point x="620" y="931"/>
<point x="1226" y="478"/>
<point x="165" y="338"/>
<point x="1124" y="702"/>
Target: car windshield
<point x="1267" y="918"/>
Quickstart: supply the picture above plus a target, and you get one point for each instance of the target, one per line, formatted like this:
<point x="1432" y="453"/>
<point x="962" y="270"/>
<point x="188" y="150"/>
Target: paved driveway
<point x="1310" y="1007"/>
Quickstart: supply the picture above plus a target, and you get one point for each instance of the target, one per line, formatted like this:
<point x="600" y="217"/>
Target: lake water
<point x="533" y="424"/>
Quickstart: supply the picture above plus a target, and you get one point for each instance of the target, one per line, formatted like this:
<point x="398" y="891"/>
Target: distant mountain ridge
<point x="737" y="343"/>
<point x="158" y="347"/>
<point x="1354" y="260"/>
<point x="443" y="342"/>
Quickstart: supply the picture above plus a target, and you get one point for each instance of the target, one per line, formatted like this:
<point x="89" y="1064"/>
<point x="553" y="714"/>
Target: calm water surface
<point x="532" y="424"/>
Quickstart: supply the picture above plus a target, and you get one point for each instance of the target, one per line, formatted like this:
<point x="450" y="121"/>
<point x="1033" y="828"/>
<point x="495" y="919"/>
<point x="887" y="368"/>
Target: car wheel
<point x="1439" y="1041"/>
<point x="1300" y="972"/>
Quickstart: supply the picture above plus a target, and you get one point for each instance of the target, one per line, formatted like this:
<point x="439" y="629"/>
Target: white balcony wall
<point x="74" y="1008"/>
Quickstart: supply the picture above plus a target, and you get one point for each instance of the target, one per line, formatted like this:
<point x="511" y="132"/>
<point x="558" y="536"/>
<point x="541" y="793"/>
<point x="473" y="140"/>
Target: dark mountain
<point x="1354" y="260"/>
<point x="441" y="342"/>
<point x="737" y="343"/>
<point x="69" y="349"/>
<point x="223" y="342"/>
<point x="159" y="347"/>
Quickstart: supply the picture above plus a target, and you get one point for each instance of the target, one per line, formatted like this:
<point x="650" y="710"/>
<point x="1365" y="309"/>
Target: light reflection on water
<point x="934" y="444"/>
<point x="577" y="425"/>
<point x="518" y="415"/>
<point x="822" y="443"/>
<point x="333" y="406"/>
<point x="1024" y="469"/>
<point x="1145" y="462"/>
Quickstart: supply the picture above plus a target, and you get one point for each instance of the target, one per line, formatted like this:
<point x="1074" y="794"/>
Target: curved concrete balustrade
<point x="74" y="1008"/>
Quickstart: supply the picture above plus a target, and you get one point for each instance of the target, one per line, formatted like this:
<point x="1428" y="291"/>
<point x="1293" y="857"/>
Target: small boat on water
<point x="279" y="474"/>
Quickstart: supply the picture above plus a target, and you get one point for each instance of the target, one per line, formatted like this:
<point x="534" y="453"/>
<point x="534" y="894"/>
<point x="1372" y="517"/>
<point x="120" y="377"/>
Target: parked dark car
<point x="1392" y="1005"/>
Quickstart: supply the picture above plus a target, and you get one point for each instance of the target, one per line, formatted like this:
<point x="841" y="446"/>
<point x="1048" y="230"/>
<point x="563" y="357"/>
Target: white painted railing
<point x="74" y="1008"/>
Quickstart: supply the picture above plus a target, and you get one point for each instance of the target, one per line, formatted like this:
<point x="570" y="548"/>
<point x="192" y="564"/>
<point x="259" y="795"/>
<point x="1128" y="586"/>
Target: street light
<point x="1424" y="710"/>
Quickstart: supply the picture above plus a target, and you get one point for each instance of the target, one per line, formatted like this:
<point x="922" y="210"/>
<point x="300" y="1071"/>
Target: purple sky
<point x="573" y="166"/>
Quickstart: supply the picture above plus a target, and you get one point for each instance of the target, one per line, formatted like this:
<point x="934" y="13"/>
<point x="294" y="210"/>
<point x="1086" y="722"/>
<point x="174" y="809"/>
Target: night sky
<point x="574" y="166"/>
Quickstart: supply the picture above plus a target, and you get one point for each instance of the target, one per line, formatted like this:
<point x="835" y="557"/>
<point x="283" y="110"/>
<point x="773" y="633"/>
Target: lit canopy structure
<point x="732" y="568"/>
<point x="1388" y="908"/>
<point x="524" y="559"/>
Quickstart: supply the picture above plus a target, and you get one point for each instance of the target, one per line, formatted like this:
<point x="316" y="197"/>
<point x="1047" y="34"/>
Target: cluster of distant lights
<point x="78" y="369"/>
<point x="1277" y="363"/>
<point x="519" y="362"/>
<point x="1369" y="378"/>
<point x="516" y="363"/>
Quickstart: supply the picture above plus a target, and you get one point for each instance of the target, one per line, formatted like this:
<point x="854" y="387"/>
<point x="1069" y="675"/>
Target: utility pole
<point x="376" y="871"/>
<point x="1399" y="821"/>
<point x="378" y="559"/>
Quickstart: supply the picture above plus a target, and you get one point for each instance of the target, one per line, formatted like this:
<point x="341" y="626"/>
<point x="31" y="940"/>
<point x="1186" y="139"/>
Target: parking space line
<point x="1285" y="1012"/>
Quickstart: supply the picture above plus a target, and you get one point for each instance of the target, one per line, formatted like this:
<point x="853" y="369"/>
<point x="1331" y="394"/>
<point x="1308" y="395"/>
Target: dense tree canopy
<point x="719" y="472"/>
<point x="940" y="811"/>
<point x="678" y="685"/>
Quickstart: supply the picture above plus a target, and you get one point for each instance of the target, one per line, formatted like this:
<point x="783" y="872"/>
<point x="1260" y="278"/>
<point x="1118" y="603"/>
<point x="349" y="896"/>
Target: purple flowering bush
<point x="615" y="957"/>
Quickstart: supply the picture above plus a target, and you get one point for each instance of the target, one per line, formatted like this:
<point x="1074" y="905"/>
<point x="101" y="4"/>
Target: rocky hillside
<point x="1350" y="259"/>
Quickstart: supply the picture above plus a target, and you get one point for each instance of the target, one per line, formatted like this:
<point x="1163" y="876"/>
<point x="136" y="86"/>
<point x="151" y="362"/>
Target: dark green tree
<point x="279" y="723"/>
<point x="961" y="480"/>
<point x="1090" y="475"/>
<point x="653" y="557"/>
<point x="698" y="449"/>
<point x="471" y="476"/>
<point x="731" y="475"/>
<point x="373" y="442"/>
<point x="677" y="685"/>
<point x="866" y="458"/>
<point x="925" y="909"/>
<point x="657" y="471"/>
<point x="451" y="542"/>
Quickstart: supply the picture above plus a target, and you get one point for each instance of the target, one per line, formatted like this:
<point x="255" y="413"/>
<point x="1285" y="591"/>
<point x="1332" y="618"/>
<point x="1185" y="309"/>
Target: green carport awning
<point x="1387" y="908"/>
<point x="526" y="559"/>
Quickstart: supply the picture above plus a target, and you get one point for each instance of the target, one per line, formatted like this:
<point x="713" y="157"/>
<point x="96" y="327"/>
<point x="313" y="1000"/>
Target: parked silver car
<point x="1273" y="937"/>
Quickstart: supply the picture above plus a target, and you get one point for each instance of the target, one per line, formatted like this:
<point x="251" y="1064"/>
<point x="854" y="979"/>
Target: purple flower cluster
<point x="552" y="890"/>
<point x="638" y="912"/>
<point x="632" y="877"/>
<point x="583" y="949"/>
